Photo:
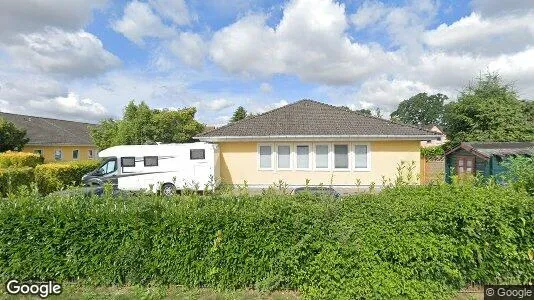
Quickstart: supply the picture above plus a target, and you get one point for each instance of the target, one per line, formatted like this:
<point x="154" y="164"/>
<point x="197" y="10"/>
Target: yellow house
<point x="309" y="141"/>
<point x="55" y="140"/>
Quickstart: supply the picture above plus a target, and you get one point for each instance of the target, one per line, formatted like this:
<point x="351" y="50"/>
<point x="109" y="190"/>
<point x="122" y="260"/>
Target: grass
<point x="79" y="291"/>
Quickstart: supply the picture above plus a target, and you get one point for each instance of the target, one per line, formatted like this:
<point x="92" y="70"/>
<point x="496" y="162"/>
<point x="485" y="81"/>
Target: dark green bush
<point x="11" y="179"/>
<point x="57" y="176"/>
<point x="406" y="242"/>
<point x="19" y="159"/>
<point x="519" y="172"/>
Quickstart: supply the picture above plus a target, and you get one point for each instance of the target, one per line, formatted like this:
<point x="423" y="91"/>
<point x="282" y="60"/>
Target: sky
<point x="85" y="60"/>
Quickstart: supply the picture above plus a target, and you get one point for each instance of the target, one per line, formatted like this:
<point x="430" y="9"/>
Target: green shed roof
<point x="488" y="149"/>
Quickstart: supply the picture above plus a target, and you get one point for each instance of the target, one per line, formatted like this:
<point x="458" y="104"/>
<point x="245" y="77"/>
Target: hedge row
<point x="47" y="177"/>
<point x="406" y="242"/>
<point x="19" y="159"/>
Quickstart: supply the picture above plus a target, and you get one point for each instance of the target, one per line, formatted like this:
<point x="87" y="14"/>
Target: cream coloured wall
<point x="239" y="162"/>
<point x="48" y="152"/>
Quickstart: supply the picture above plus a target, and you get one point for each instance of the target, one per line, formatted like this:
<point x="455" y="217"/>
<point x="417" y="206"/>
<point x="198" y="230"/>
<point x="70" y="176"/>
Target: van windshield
<point x="108" y="167"/>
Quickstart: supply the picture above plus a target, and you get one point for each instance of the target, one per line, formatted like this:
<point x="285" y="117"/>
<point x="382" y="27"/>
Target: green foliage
<point x="405" y="242"/>
<point x="19" y="159"/>
<point x="143" y="125"/>
<point x="489" y="110"/>
<point x="421" y="109"/>
<point x="520" y="172"/>
<point x="364" y="111"/>
<point x="239" y="114"/>
<point x="57" y="176"/>
<point x="432" y="152"/>
<point x="14" y="178"/>
<point x="11" y="137"/>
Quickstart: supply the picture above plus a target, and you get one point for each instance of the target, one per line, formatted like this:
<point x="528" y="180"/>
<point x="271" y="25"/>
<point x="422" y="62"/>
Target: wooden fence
<point x="432" y="169"/>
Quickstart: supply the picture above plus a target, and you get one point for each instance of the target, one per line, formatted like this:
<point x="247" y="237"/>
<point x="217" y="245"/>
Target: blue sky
<point x="84" y="60"/>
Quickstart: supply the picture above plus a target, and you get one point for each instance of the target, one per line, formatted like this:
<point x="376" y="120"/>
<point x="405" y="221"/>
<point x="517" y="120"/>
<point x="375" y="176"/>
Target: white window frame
<point x="290" y="157"/>
<point x="329" y="157"/>
<point x="60" y="154"/>
<point x="273" y="155"/>
<point x="349" y="157"/>
<point x="310" y="156"/>
<point x="77" y="158"/>
<point x="91" y="153"/>
<point x="353" y="158"/>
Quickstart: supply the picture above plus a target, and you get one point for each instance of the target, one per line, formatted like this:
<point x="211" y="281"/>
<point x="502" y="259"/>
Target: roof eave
<point x="316" y="137"/>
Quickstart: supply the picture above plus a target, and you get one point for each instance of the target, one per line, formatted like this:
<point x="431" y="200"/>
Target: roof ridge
<point x="47" y="118"/>
<point x="373" y="117"/>
<point x="253" y="117"/>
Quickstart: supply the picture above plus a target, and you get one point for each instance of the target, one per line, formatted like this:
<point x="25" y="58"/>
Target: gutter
<point x="317" y="137"/>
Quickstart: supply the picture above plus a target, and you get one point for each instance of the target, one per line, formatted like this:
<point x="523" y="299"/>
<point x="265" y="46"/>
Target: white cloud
<point x="499" y="7"/>
<point x="266" y="87"/>
<point x="140" y="22"/>
<point x="369" y="13"/>
<point x="175" y="10"/>
<point x="310" y="41"/>
<point x="4" y="106"/>
<point x="264" y="108"/>
<point x="190" y="48"/>
<point x="486" y="36"/>
<point x="72" y="106"/>
<point x="56" y="51"/>
<point x="217" y="104"/>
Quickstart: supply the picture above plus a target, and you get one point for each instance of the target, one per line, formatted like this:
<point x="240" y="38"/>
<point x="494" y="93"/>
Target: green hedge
<point x="12" y="179"/>
<point x="406" y="242"/>
<point x="19" y="159"/>
<point x="57" y="176"/>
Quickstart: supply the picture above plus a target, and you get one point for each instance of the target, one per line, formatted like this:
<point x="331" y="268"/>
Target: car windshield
<point x="108" y="167"/>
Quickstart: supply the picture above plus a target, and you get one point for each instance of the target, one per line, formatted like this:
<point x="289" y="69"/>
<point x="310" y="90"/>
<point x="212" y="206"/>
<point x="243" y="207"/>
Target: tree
<point x="421" y="109"/>
<point x="488" y="110"/>
<point x="142" y="125"/>
<point x="239" y="114"/>
<point x="364" y="111"/>
<point x="11" y="137"/>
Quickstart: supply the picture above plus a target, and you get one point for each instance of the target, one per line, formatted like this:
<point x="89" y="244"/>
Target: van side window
<point x="128" y="162"/>
<point x="151" y="161"/>
<point x="197" y="154"/>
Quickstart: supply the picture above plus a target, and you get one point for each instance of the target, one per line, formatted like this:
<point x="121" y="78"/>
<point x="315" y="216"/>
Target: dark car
<point x="317" y="191"/>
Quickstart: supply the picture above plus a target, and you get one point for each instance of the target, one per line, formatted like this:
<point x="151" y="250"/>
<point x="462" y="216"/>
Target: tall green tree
<point x="421" y="109"/>
<point x="488" y="110"/>
<point x="11" y="137"/>
<point x="142" y="125"/>
<point x="239" y="114"/>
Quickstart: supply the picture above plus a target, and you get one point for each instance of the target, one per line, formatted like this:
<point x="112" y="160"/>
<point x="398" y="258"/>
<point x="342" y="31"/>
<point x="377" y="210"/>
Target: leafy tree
<point x="11" y="137"/>
<point x="378" y="112"/>
<point x="421" y="109"/>
<point x="143" y="125"/>
<point x="488" y="110"/>
<point x="239" y="114"/>
<point x="364" y="111"/>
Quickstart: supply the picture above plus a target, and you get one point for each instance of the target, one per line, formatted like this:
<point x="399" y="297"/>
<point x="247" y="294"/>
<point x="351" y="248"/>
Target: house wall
<point x="48" y="152"/>
<point x="239" y="163"/>
<point x="434" y="143"/>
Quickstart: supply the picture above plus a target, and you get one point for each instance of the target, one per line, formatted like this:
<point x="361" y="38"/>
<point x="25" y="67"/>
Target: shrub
<point x="520" y="172"/>
<point x="436" y="152"/>
<point x="11" y="179"/>
<point x="405" y="242"/>
<point x="19" y="159"/>
<point x="57" y="176"/>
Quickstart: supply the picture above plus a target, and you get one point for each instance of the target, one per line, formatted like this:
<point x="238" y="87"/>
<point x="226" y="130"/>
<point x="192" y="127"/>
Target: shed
<point x="483" y="157"/>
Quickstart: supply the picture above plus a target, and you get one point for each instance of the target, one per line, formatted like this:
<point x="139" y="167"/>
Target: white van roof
<point x="151" y="150"/>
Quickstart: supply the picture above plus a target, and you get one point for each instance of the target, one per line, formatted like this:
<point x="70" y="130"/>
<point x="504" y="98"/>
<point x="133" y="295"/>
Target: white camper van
<point x="163" y="168"/>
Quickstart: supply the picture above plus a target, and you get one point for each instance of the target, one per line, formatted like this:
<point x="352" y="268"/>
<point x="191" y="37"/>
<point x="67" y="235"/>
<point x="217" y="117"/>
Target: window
<point x="465" y="165"/>
<point x="266" y="157"/>
<point x="341" y="156"/>
<point x="321" y="156"/>
<point x="284" y="157"/>
<point x="361" y="157"/>
<point x="109" y="167"/>
<point x="75" y="154"/>
<point x="151" y="161"/>
<point x="439" y="139"/>
<point x="197" y="154"/>
<point x="303" y="157"/>
<point x="58" y="154"/>
<point x="91" y="153"/>
<point x="38" y="152"/>
<point x="128" y="162"/>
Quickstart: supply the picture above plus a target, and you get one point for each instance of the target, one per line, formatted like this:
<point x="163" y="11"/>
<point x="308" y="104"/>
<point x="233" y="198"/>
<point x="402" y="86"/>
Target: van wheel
<point x="168" y="189"/>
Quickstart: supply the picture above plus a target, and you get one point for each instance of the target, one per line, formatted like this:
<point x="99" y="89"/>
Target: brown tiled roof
<point x="312" y="118"/>
<point x="46" y="131"/>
